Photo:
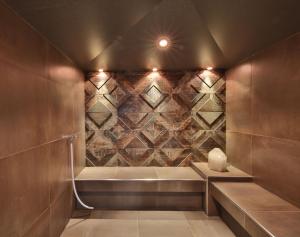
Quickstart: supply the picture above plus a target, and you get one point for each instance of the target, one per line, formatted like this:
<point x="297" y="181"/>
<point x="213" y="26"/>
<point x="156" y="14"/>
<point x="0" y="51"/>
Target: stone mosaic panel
<point x="153" y="119"/>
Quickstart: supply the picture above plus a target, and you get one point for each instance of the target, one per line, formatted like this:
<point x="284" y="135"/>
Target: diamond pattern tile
<point x="98" y="80"/>
<point x="99" y="118"/>
<point x="209" y="117"/>
<point x="117" y="96"/>
<point x="154" y="132"/>
<point x="134" y="120"/>
<point x="209" y="78"/>
<point x="153" y="96"/>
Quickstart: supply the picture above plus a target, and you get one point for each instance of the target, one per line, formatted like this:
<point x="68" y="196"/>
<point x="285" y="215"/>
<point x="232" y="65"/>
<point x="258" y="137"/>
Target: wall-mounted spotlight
<point x="154" y="69"/>
<point x="209" y="68"/>
<point x="101" y="70"/>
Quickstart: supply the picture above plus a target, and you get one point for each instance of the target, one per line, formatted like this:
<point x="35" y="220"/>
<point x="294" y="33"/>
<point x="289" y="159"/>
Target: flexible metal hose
<point x="70" y="140"/>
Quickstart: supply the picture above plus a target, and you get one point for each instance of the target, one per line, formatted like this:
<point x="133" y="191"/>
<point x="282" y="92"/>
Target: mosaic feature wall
<point x="153" y="119"/>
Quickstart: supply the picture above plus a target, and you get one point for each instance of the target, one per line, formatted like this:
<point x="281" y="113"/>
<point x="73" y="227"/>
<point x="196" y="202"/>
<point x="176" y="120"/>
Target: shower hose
<point x="70" y="139"/>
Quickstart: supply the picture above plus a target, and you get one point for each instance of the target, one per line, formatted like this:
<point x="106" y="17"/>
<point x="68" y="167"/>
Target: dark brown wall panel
<point x="59" y="172"/>
<point x="153" y="119"/>
<point x="24" y="190"/>
<point x="20" y="45"/>
<point x="41" y="228"/>
<point x="239" y="155"/>
<point x="267" y="113"/>
<point x="238" y="83"/>
<point x="276" y="82"/>
<point x="41" y="99"/>
<point x="23" y="105"/>
<point x="60" y="212"/>
<point x="276" y="166"/>
<point x="61" y="109"/>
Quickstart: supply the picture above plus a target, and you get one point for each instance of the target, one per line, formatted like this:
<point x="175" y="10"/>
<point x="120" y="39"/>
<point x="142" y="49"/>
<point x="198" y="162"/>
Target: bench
<point x="231" y="174"/>
<point x="141" y="188"/>
<point x="258" y="211"/>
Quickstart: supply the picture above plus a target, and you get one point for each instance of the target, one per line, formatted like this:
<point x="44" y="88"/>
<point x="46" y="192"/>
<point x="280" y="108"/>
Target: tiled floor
<point x="145" y="224"/>
<point x="125" y="173"/>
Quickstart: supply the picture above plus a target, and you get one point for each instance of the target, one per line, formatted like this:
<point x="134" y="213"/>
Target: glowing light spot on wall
<point x="163" y="42"/>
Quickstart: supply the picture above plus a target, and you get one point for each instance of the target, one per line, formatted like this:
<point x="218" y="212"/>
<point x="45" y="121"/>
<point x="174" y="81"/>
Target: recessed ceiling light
<point x="163" y="42"/>
<point x="101" y="70"/>
<point x="154" y="69"/>
<point x="209" y="68"/>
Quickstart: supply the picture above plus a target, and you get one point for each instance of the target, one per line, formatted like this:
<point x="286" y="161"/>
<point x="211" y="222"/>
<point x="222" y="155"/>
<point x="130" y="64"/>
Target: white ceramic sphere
<point x="217" y="160"/>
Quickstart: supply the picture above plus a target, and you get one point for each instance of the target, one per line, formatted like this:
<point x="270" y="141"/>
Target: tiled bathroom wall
<point x="153" y="119"/>
<point x="263" y="136"/>
<point x="41" y="99"/>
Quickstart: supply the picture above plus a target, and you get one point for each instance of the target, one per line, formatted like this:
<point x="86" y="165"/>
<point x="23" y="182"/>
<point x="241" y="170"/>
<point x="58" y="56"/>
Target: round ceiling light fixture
<point x="163" y="42"/>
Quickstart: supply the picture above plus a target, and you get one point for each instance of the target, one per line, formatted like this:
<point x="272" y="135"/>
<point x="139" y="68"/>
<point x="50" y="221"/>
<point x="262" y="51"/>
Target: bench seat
<point x="258" y="211"/>
<point x="141" y="188"/>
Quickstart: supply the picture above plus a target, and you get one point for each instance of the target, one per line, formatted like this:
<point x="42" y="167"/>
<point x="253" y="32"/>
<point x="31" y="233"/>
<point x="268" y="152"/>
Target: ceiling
<point x="122" y="34"/>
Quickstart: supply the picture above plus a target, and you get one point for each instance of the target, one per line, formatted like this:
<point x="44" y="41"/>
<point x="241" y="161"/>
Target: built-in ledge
<point x="231" y="174"/>
<point x="162" y="188"/>
<point x="260" y="212"/>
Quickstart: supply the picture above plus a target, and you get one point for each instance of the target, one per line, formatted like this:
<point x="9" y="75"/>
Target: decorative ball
<point x="217" y="160"/>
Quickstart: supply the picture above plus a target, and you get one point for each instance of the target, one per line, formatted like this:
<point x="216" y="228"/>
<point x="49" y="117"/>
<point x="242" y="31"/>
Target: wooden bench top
<point x="260" y="212"/>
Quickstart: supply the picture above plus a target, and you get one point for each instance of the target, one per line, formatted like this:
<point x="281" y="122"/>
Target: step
<point x="162" y="188"/>
<point x="231" y="174"/>
<point x="258" y="211"/>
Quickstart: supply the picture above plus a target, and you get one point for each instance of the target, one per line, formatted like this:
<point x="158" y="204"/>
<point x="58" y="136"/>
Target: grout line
<point x="190" y="228"/>
<point x="51" y="203"/>
<point x="75" y="224"/>
<point x="93" y="165"/>
<point x="251" y="117"/>
<point x="260" y="135"/>
<point x="138" y="225"/>
<point x="36" y="220"/>
<point x="251" y="158"/>
<point x="23" y="68"/>
<point x="33" y="147"/>
<point x="44" y="76"/>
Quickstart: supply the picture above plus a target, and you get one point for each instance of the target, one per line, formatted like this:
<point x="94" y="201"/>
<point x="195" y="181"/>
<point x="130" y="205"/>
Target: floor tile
<point x="145" y="224"/>
<point x="210" y="228"/>
<point x="103" y="228"/>
<point x="74" y="222"/>
<point x="164" y="228"/>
